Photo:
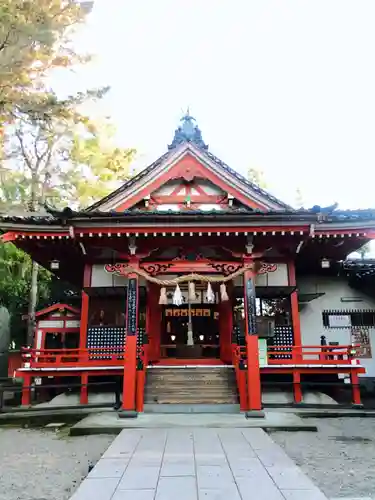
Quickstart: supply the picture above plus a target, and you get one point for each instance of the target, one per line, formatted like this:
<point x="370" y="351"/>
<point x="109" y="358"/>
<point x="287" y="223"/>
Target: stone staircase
<point x="191" y="385"/>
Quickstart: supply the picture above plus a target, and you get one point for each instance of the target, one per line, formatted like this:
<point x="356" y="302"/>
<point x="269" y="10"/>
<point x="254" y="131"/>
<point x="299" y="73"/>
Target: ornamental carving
<point x="189" y="257"/>
<point x="267" y="268"/>
<point x="120" y="268"/>
<point x="226" y="268"/>
<point x="154" y="269"/>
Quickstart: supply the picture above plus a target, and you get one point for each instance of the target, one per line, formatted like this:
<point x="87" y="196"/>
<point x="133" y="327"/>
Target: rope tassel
<point x="163" y="296"/>
<point x="177" y="296"/>
<point x="210" y="296"/>
<point x="223" y="293"/>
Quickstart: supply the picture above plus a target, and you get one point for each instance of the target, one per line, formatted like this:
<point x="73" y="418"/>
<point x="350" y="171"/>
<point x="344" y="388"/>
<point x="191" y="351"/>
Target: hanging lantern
<point x="223" y="293"/>
<point x="191" y="291"/>
<point x="210" y="296"/>
<point x="163" y="296"/>
<point x="55" y="265"/>
<point x="177" y="296"/>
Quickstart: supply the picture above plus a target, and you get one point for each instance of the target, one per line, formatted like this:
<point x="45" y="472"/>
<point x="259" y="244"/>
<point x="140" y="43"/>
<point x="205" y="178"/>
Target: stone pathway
<point x="196" y="464"/>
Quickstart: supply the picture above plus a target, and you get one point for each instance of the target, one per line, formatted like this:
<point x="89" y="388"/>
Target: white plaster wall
<point x="51" y="324"/>
<point x="279" y="277"/>
<point x="100" y="277"/>
<point x="209" y="188"/>
<point x="73" y="323"/>
<point x="334" y="288"/>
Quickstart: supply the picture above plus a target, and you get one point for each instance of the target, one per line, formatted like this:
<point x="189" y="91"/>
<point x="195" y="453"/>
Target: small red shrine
<point x="189" y="264"/>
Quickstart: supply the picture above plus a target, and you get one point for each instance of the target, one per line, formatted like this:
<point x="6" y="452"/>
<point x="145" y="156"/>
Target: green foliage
<point x="15" y="273"/>
<point x="39" y="131"/>
<point x="35" y="39"/>
<point x="257" y="176"/>
<point x="300" y="203"/>
<point x="51" y="151"/>
<point x="97" y="159"/>
<point x="66" y="161"/>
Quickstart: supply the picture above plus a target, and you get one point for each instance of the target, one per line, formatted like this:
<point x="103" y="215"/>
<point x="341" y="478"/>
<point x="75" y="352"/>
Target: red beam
<point x="194" y="198"/>
<point x="179" y="228"/>
<point x="9" y="236"/>
<point x="41" y="235"/>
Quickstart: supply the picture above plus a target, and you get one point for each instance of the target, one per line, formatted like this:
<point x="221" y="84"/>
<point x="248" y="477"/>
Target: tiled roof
<point x="193" y="137"/>
<point x="56" y="217"/>
<point x="211" y="157"/>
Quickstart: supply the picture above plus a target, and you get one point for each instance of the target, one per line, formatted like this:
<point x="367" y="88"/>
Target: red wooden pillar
<point x="130" y="357"/>
<point x="141" y="380"/>
<point x="226" y="328"/>
<point x="26" y="389"/>
<point x="297" y="387"/>
<point x="253" y="372"/>
<point x="84" y="395"/>
<point x="356" y="393"/>
<point x="84" y="308"/>
<point x="296" y="323"/>
<point x="242" y="389"/>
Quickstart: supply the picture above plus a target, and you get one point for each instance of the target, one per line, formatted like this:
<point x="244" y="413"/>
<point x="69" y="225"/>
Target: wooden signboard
<point x="361" y="335"/>
<point x="132" y="307"/>
<point x="251" y="307"/>
<point x="339" y="321"/>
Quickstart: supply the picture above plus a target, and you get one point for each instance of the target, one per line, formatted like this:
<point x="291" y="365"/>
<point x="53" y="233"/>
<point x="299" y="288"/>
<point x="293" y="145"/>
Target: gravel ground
<point x="339" y="458"/>
<point x="44" y="465"/>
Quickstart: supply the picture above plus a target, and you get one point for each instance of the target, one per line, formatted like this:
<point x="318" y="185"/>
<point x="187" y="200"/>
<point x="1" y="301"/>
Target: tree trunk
<point x="33" y="295"/>
<point x="32" y="304"/>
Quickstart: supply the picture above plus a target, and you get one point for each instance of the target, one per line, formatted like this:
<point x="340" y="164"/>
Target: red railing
<point x="312" y="354"/>
<point x="114" y="356"/>
<point x="98" y="356"/>
<point x="307" y="355"/>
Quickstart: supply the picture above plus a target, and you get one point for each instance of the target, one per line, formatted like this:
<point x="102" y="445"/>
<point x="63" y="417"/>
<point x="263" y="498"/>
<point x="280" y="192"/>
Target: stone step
<point x="190" y="394"/>
<point x="192" y="399"/>
<point x="191" y="408"/>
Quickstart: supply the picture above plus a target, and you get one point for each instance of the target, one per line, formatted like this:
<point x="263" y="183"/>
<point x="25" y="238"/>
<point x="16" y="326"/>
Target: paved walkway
<point x="196" y="464"/>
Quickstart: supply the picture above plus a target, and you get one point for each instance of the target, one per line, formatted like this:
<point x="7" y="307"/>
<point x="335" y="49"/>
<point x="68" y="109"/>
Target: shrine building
<point x="198" y="286"/>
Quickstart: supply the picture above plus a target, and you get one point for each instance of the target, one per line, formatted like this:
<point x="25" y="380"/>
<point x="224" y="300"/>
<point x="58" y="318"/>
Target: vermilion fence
<point x="114" y="356"/>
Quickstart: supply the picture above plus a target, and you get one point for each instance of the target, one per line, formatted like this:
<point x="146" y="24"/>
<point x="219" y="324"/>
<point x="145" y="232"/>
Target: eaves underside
<point x="165" y="224"/>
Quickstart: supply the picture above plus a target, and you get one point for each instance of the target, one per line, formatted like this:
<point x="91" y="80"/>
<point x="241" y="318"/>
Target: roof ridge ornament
<point x="188" y="132"/>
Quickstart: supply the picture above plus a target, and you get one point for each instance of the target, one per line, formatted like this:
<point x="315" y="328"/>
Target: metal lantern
<point x="55" y="264"/>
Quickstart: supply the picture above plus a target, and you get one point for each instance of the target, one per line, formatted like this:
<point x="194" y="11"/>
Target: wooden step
<point x="198" y="385"/>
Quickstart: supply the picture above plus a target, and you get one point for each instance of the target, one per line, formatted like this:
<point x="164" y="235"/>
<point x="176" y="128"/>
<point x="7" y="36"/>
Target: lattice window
<point x="106" y="336"/>
<point x="283" y="337"/>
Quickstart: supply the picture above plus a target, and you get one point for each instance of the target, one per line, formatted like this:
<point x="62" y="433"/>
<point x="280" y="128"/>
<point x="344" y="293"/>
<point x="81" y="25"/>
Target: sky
<point x="286" y="86"/>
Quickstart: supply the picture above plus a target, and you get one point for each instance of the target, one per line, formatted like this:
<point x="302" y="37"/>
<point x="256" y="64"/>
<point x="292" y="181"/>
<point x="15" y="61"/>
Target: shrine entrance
<point x="204" y="325"/>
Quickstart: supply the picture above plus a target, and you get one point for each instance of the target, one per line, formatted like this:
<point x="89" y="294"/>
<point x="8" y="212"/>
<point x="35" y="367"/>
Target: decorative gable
<point x="179" y="194"/>
<point x="189" y="177"/>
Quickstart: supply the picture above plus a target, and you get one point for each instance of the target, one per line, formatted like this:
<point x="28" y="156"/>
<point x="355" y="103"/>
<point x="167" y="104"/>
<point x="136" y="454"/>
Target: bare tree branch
<point x="25" y="155"/>
<point x="5" y="41"/>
